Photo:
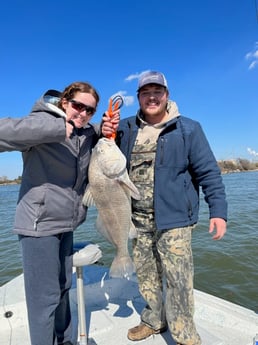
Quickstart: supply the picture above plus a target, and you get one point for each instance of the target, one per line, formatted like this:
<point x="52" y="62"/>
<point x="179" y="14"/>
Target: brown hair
<point x="78" y="86"/>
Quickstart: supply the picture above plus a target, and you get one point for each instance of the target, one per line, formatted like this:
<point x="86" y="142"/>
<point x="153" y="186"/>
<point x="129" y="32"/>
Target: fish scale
<point x="110" y="190"/>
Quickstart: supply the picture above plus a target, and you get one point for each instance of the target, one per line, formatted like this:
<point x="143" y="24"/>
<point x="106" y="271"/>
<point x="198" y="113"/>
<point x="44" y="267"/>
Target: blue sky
<point x="208" y="51"/>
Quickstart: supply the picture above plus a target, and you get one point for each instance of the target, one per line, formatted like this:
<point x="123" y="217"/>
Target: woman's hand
<point x="69" y="129"/>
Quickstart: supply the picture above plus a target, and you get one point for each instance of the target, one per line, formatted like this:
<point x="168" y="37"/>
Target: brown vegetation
<point x="5" y="180"/>
<point x="237" y="165"/>
<point x="226" y="166"/>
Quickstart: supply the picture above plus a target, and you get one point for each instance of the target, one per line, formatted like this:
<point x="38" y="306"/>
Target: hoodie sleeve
<point x="35" y="129"/>
<point x="206" y="172"/>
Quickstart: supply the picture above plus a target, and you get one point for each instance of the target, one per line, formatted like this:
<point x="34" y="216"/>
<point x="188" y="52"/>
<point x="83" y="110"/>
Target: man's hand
<point x="110" y="124"/>
<point x="220" y="225"/>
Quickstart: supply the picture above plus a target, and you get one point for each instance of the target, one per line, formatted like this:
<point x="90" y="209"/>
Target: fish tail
<point x="122" y="267"/>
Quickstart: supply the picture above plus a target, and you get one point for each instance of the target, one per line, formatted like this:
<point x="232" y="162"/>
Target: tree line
<point x="237" y="165"/>
<point x="226" y="166"/>
<point x="6" y="180"/>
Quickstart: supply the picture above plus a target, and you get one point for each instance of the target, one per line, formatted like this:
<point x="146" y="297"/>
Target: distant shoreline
<point x="224" y="171"/>
<point x="236" y="171"/>
<point x="9" y="183"/>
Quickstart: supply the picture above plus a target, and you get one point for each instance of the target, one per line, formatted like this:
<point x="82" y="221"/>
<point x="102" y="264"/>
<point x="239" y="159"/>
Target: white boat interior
<point x="103" y="309"/>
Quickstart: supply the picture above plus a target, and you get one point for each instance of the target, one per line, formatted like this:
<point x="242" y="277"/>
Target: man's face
<point x="153" y="101"/>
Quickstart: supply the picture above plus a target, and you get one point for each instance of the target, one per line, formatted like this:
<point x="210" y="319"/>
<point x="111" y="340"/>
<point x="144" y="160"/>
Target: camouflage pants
<point x="167" y="256"/>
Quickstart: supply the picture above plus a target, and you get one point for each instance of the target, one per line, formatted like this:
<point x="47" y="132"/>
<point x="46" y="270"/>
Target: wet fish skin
<point x="110" y="190"/>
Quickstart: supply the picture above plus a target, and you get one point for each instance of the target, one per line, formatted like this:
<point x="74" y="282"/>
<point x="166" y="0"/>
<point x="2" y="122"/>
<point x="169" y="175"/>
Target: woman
<point x="56" y="140"/>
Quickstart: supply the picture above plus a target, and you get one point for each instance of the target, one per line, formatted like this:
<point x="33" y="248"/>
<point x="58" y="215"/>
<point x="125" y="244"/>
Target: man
<point x="169" y="159"/>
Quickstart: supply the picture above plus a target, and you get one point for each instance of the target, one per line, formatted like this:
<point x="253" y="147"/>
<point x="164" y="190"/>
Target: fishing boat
<point x="104" y="308"/>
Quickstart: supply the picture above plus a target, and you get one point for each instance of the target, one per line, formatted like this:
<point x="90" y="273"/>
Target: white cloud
<point x="252" y="152"/>
<point x="135" y="75"/>
<point x="132" y="77"/>
<point x="128" y="100"/>
<point x="253" y="57"/>
<point x="253" y="64"/>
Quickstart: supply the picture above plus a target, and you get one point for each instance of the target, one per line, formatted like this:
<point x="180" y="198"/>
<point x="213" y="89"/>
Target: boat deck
<point x="114" y="305"/>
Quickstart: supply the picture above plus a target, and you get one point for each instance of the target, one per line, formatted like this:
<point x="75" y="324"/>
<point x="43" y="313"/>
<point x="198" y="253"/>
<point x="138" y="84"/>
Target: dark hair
<point x="75" y="87"/>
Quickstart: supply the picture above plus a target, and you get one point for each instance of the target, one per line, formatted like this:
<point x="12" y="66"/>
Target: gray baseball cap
<point x="152" y="77"/>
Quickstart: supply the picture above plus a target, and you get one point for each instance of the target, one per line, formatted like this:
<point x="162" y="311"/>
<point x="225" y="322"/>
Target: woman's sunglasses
<point x="78" y="106"/>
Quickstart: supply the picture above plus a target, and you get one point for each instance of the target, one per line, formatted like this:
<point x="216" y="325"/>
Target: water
<point x="227" y="268"/>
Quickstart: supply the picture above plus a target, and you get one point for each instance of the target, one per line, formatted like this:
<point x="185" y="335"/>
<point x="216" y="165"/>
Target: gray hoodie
<point x="55" y="169"/>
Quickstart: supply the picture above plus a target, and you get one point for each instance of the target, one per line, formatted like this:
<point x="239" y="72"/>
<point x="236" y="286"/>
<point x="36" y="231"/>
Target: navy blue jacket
<point x="184" y="163"/>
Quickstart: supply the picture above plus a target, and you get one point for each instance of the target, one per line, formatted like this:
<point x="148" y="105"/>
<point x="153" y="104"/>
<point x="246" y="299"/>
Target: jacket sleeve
<point x="23" y="133"/>
<point x="206" y="172"/>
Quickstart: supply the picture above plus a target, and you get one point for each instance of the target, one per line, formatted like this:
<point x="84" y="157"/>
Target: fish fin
<point x="122" y="267"/>
<point x="132" y="232"/>
<point x="125" y="180"/>
<point x="87" y="199"/>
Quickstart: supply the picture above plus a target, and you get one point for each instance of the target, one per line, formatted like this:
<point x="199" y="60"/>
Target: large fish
<point x="110" y="190"/>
